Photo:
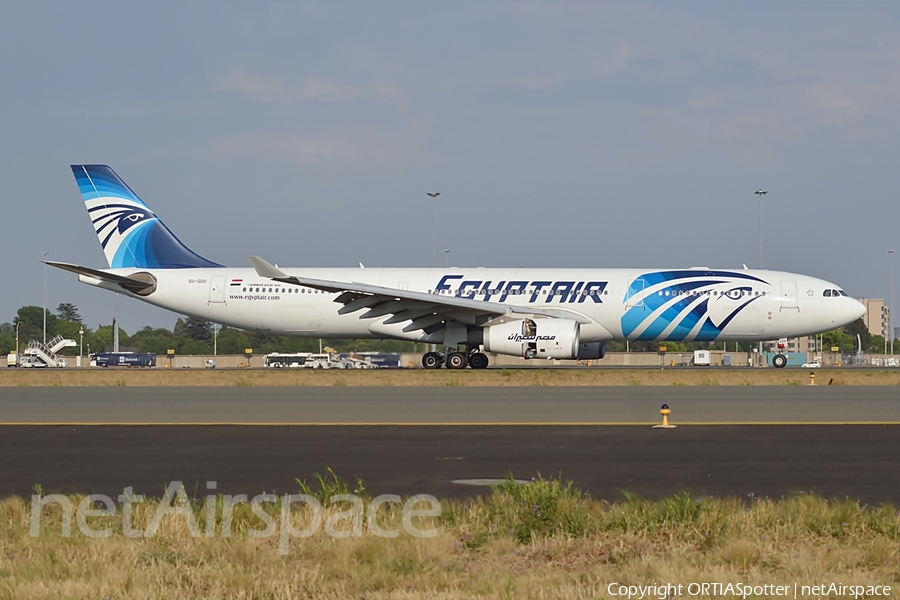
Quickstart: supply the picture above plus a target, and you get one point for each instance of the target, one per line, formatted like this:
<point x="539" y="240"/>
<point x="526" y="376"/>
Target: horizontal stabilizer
<point x="140" y="284"/>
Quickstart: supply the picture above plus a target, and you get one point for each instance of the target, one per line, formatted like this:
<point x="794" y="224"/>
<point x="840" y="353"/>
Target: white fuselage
<point x="616" y="304"/>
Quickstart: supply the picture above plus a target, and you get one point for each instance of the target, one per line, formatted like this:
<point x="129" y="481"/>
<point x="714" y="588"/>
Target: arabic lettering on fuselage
<point x="554" y="291"/>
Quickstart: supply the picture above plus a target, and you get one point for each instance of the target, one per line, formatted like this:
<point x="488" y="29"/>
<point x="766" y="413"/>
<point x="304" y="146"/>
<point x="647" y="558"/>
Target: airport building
<point x="877" y="317"/>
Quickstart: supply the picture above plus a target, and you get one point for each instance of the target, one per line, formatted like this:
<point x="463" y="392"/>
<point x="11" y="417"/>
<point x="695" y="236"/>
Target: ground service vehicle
<point x="122" y="359"/>
<point x="702" y="358"/>
<point x="280" y="361"/>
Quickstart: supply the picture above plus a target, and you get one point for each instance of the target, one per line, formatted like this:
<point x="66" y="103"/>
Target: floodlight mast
<point x="891" y="309"/>
<point x="760" y="192"/>
<point x="433" y="195"/>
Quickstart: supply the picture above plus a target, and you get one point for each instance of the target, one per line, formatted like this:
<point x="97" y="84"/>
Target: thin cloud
<point x="277" y="146"/>
<point x="268" y="89"/>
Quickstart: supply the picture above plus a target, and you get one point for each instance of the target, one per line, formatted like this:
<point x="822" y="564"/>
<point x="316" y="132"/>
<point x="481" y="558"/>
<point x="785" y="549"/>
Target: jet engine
<point x="534" y="338"/>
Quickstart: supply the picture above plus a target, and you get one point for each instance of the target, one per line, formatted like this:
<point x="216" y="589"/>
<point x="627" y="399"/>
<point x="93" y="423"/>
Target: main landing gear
<point x="432" y="360"/>
<point x="455" y="360"/>
<point x="478" y="360"/>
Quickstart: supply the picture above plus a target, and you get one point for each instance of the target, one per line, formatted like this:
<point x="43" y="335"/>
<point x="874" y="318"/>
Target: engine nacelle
<point x="540" y="338"/>
<point x="591" y="350"/>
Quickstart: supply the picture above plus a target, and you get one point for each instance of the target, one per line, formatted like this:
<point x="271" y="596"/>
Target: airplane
<point x="531" y="313"/>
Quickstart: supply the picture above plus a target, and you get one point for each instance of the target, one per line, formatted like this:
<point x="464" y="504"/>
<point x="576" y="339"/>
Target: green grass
<point x="328" y="485"/>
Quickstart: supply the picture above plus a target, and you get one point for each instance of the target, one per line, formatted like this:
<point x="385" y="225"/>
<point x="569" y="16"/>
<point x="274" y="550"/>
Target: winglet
<point x="264" y="269"/>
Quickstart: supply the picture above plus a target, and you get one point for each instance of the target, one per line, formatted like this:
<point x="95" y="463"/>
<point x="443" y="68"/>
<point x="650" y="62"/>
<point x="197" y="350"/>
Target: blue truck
<point x="123" y="359"/>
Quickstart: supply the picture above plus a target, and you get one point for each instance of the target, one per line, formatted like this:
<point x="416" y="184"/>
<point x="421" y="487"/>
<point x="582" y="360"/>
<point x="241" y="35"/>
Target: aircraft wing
<point x="425" y="311"/>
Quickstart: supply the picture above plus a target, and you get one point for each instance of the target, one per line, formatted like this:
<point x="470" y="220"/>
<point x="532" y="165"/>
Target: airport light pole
<point x="17" y="342"/>
<point x="116" y="327"/>
<point x="760" y="192"/>
<point x="434" y="196"/>
<point x="80" y="344"/>
<point x="45" y="254"/>
<point x="891" y="309"/>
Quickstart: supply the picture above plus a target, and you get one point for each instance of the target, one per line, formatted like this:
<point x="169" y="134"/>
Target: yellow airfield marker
<point x="665" y="411"/>
<point x="812" y="379"/>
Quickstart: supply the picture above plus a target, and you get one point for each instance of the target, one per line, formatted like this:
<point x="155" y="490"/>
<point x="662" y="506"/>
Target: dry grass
<point x="542" y="540"/>
<point x="420" y="377"/>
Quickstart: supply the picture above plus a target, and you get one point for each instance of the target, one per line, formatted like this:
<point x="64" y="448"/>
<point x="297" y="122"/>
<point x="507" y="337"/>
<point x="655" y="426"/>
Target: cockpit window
<point x="827" y="293"/>
<point x="841" y="292"/>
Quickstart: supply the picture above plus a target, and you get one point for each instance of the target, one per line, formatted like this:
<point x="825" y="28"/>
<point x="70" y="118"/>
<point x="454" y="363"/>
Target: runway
<point x="449" y="405"/>
<point x="834" y="461"/>
<point x="419" y="440"/>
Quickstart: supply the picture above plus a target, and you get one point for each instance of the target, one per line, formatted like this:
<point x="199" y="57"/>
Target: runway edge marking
<point x="427" y="424"/>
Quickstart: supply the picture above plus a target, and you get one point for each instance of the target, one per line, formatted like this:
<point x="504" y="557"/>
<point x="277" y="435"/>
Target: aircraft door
<point x="789" y="295"/>
<point x="217" y="289"/>
<point x="635" y="294"/>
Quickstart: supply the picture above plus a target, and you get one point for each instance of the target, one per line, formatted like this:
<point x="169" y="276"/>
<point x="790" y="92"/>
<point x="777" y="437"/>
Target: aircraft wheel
<point x="779" y="360"/>
<point x="457" y="360"/>
<point x="432" y="360"/>
<point x="478" y="361"/>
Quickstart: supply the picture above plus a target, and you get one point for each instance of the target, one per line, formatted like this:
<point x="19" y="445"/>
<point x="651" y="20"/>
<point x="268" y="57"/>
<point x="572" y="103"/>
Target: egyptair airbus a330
<point x="532" y="313"/>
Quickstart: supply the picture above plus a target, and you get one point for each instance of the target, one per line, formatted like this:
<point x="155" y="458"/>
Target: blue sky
<point x="595" y="134"/>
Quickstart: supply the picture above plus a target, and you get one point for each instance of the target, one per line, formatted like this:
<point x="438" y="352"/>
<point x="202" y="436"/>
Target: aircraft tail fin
<point x="130" y="233"/>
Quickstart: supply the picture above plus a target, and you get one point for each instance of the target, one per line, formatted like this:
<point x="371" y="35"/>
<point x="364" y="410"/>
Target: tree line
<point x="195" y="336"/>
<point x="188" y="336"/>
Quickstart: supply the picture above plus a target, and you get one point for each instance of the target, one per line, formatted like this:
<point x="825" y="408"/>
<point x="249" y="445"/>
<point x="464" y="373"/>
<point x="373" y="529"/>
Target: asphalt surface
<point x="834" y="461"/>
<point x="420" y="440"/>
<point x="462" y="405"/>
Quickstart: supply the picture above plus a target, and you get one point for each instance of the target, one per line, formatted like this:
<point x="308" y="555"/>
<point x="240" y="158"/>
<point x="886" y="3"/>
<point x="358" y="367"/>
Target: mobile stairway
<point x="46" y="354"/>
